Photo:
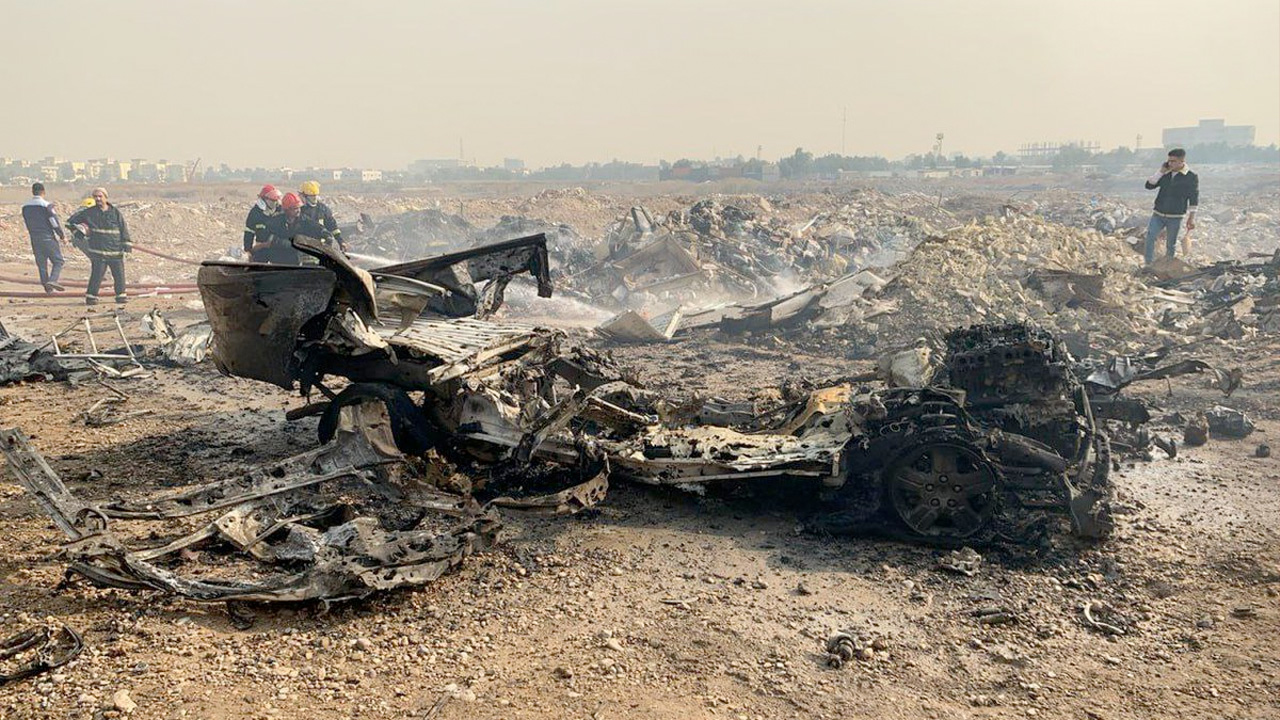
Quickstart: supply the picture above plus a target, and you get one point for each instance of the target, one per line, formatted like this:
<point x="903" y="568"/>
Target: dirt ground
<point x="659" y="604"/>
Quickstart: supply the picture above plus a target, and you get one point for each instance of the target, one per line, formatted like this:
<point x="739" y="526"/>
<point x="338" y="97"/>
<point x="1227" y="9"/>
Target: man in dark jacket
<point x="46" y="232"/>
<point x="256" y="237"/>
<point x="107" y="241"/>
<point x="1178" y="197"/>
<point x="283" y="227"/>
<point x="317" y="212"/>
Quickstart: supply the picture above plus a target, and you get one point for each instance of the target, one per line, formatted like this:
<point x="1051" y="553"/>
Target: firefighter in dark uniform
<point x="318" y="212"/>
<point x="256" y="237"/>
<point x="282" y="227"/>
<point x="107" y="240"/>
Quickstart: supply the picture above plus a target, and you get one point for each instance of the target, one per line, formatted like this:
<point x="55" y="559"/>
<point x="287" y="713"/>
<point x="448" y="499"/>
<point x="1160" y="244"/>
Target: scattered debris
<point x="188" y="346"/>
<point x="631" y="326"/>
<point x="1226" y="422"/>
<point x="105" y="412"/>
<point x="1093" y="611"/>
<point x="37" y="650"/>
<point x="1196" y="432"/>
<point x="845" y="646"/>
<point x="964" y="561"/>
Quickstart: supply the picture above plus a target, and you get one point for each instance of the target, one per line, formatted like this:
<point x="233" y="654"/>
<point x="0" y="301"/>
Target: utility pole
<point x="461" y="157"/>
<point x="844" y="126"/>
<point x="1138" y="145"/>
<point x="759" y="150"/>
<point x="937" y="149"/>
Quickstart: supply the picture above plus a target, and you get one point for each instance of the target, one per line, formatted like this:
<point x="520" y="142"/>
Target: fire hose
<point x="157" y="253"/>
<point x="173" y="289"/>
<point x="83" y="283"/>
<point x="139" y="291"/>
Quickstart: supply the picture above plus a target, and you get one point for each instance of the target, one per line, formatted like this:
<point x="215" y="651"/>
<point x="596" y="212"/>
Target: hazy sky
<point x="383" y="82"/>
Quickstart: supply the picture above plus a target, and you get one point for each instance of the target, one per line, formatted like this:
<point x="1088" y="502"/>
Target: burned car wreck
<point x="435" y="419"/>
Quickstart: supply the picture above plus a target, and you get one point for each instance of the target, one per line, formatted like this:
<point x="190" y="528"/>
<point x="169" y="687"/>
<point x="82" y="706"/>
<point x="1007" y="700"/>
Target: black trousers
<point x="98" y="266"/>
<point x="48" y="260"/>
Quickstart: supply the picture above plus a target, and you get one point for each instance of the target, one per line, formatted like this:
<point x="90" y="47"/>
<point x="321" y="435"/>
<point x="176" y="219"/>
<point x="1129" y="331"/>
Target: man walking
<point x="46" y="232"/>
<point x="1178" y="197"/>
<point x="106" y="242"/>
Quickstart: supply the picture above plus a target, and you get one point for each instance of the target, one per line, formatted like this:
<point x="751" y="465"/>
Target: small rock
<point x="1205" y="622"/>
<point x="363" y="644"/>
<point x="613" y="644"/>
<point x="1263" y="451"/>
<point x="802" y="589"/>
<point x="562" y="672"/>
<point x="121" y="701"/>
<point x="465" y="695"/>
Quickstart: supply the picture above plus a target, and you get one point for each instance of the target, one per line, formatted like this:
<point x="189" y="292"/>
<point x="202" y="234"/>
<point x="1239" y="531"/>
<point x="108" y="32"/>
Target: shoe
<point x="122" y="299"/>
<point x="56" y="287"/>
<point x="48" y="288"/>
<point x="90" y="300"/>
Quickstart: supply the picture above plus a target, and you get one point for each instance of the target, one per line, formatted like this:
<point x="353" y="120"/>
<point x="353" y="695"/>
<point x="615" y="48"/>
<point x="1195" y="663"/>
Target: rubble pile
<point x="693" y="261"/>
<point x="1077" y="283"/>
<point x="1107" y="215"/>
<point x="409" y="234"/>
<point x="565" y="246"/>
<point x="1230" y="224"/>
<point x="1228" y="300"/>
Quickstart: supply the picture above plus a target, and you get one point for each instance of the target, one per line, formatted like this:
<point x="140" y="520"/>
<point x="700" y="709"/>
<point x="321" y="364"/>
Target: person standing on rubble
<point x="107" y="241"/>
<point x="46" y="234"/>
<point x="283" y="227"/>
<point x="256" y="237"/>
<point x="318" y="212"/>
<point x="1178" y="197"/>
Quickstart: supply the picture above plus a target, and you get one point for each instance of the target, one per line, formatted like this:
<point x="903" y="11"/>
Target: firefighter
<point x="318" y="212"/>
<point x="282" y="227"/>
<point x="107" y="241"/>
<point x="256" y="237"/>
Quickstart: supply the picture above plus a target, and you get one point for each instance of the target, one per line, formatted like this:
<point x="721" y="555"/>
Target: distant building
<point x="368" y="176"/>
<point x="1209" y="132"/>
<point x="429" y="166"/>
<point x="513" y="165"/>
<point x="1047" y="151"/>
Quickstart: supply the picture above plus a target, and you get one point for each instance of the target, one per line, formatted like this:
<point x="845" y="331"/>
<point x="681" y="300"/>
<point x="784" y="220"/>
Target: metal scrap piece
<point x="48" y="645"/>
<point x="351" y="559"/>
<point x="1089" y="609"/>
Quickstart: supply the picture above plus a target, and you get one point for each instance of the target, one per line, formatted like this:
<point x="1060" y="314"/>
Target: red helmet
<point x="291" y="202"/>
<point x="269" y="192"/>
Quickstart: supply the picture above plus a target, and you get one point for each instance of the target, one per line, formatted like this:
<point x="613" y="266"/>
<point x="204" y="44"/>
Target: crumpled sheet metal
<point x="566" y="502"/>
<point x="684" y="456"/>
<point x="351" y="559"/>
<point x="256" y="312"/>
<point x="527" y="254"/>
<point x="188" y="346"/>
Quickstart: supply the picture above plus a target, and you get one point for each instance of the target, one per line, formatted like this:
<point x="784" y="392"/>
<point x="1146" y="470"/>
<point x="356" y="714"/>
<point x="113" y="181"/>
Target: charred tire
<point x="942" y="490"/>
<point x="409" y="425"/>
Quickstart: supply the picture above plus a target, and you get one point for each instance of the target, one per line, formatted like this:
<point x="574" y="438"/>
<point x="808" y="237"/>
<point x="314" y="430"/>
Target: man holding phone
<point x="1178" y="197"/>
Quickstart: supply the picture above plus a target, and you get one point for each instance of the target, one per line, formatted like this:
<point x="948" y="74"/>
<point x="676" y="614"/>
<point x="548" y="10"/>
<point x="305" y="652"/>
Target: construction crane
<point x="189" y="172"/>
